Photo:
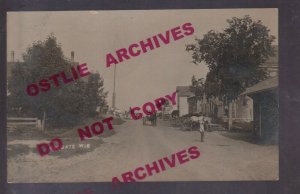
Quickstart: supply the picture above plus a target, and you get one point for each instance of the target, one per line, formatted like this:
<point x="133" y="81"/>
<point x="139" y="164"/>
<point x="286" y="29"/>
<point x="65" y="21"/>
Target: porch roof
<point x="264" y="85"/>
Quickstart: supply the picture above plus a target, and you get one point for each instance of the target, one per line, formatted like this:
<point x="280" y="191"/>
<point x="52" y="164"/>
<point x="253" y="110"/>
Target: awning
<point x="264" y="85"/>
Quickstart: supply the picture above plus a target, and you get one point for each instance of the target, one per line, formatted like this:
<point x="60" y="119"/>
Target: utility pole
<point x="114" y="91"/>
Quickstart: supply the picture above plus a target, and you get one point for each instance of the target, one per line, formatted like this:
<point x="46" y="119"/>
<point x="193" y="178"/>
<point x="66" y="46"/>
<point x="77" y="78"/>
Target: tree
<point x="95" y="95"/>
<point x="66" y="105"/>
<point x="197" y="87"/>
<point x="233" y="57"/>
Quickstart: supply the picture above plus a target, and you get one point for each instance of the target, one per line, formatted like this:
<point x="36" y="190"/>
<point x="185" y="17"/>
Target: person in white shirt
<point x="201" y="122"/>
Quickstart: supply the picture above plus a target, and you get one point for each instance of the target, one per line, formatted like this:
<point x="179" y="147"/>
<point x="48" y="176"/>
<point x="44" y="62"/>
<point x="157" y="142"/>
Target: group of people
<point x="202" y="125"/>
<point x="198" y="122"/>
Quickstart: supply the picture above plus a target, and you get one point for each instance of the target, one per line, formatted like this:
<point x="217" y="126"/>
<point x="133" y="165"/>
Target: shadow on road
<point x="247" y="137"/>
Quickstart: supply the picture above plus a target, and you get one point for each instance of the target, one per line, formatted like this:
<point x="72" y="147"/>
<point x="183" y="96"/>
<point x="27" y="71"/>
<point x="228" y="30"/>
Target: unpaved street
<point x="135" y="145"/>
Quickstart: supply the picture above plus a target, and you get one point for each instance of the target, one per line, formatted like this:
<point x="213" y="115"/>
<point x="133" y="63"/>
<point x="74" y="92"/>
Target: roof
<point x="184" y="91"/>
<point x="264" y="85"/>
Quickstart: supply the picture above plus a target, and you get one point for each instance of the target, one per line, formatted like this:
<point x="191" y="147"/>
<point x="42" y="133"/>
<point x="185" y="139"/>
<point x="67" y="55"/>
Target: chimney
<point x="12" y="56"/>
<point x="72" y="56"/>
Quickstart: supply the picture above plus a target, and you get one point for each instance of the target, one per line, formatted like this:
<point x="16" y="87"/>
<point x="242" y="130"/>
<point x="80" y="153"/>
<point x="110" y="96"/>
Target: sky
<point x="93" y="34"/>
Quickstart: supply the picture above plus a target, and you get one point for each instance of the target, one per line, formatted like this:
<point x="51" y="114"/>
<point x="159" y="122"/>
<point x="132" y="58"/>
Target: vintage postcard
<point x="142" y="95"/>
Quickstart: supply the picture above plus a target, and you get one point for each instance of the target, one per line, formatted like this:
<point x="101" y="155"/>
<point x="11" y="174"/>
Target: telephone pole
<point x="114" y="91"/>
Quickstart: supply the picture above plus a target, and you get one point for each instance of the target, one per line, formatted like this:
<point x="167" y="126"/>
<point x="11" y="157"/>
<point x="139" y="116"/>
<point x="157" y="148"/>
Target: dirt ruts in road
<point x="135" y="145"/>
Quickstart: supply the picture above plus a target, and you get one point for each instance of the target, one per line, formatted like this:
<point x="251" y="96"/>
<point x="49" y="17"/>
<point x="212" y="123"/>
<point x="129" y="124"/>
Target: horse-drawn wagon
<point x="150" y="119"/>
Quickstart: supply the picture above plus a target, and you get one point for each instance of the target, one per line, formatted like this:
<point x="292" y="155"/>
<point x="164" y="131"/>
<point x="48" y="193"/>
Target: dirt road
<point x="135" y="145"/>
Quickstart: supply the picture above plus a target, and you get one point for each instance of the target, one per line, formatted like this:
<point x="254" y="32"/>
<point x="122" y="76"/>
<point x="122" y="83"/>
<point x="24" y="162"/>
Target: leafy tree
<point x="66" y="105"/>
<point x="197" y="87"/>
<point x="233" y="56"/>
<point x="95" y="95"/>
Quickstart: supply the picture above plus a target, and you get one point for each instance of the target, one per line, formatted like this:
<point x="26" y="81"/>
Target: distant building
<point x="242" y="108"/>
<point x="208" y="107"/>
<point x="166" y="111"/>
<point x="188" y="103"/>
<point x="183" y="93"/>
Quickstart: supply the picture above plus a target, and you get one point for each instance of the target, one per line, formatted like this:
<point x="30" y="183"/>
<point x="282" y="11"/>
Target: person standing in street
<point x="198" y="123"/>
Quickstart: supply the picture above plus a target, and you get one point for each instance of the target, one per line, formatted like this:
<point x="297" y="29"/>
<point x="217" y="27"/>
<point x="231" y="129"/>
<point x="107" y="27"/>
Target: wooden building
<point x="183" y="93"/>
<point x="266" y="109"/>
